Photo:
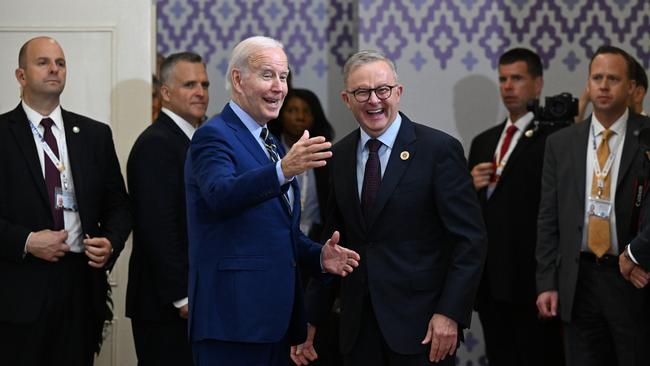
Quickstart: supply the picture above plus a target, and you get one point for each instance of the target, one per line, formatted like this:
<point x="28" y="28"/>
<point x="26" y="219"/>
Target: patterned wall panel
<point x="446" y="52"/>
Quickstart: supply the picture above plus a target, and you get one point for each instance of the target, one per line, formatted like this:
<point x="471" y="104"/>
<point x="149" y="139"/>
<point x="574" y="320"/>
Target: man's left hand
<point x="639" y="277"/>
<point x="443" y="335"/>
<point x="98" y="250"/>
<point x="337" y="259"/>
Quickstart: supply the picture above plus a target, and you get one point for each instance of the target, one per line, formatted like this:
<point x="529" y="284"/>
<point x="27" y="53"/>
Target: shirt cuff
<point x="180" y="303"/>
<point x="25" y="247"/>
<point x="278" y="171"/>
<point x="628" y="250"/>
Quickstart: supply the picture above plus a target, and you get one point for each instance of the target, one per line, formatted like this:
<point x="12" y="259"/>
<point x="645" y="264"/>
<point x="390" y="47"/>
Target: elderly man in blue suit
<point x="243" y="208"/>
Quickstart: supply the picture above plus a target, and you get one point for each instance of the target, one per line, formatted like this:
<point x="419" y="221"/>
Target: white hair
<point x="244" y="50"/>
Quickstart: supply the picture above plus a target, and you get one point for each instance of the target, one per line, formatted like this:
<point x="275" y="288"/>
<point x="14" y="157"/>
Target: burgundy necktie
<point x="371" y="176"/>
<point x="52" y="174"/>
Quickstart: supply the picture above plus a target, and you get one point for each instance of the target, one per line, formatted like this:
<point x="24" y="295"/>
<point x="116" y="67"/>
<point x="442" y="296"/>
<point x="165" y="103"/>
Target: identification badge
<point x="65" y="200"/>
<point x="599" y="208"/>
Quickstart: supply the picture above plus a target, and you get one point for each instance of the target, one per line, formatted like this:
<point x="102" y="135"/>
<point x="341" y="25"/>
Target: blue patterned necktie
<point x="271" y="148"/>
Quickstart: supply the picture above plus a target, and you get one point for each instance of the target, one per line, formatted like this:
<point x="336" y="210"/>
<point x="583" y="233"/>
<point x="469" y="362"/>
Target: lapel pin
<point x="404" y="155"/>
<point x="75" y="129"/>
<point x="529" y="133"/>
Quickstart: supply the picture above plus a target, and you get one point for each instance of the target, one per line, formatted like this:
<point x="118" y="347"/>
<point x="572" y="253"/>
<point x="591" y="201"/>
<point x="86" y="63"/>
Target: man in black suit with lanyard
<point x="506" y="164"/>
<point x="64" y="218"/>
<point x="156" y="297"/>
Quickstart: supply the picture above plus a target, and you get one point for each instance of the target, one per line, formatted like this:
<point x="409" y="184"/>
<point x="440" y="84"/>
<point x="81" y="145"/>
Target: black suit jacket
<point x="423" y="246"/>
<point x="158" y="265"/>
<point x="562" y="207"/>
<point x="24" y="207"/>
<point x="510" y="215"/>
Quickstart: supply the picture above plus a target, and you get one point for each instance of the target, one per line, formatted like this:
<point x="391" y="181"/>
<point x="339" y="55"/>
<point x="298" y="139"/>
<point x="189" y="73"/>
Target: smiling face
<point x="374" y="115"/>
<point x="609" y="87"/>
<point x="42" y="71"/>
<point x="260" y="89"/>
<point x="186" y="92"/>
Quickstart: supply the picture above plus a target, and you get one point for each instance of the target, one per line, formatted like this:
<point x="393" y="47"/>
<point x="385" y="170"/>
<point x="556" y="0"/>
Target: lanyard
<point x="602" y="174"/>
<point x="50" y="154"/>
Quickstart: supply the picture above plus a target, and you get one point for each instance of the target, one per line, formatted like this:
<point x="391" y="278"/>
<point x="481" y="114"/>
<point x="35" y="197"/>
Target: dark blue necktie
<point x="271" y="148"/>
<point x="52" y="174"/>
<point x="371" y="177"/>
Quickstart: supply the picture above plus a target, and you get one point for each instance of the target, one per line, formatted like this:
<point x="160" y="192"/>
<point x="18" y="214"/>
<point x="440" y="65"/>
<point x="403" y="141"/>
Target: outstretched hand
<point x="337" y="259"/>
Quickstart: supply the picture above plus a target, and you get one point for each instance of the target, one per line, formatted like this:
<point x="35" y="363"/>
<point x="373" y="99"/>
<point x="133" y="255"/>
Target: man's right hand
<point x="303" y="353"/>
<point x="48" y="245"/>
<point x="547" y="304"/>
<point x="481" y="174"/>
<point x="306" y="153"/>
<point x="184" y="311"/>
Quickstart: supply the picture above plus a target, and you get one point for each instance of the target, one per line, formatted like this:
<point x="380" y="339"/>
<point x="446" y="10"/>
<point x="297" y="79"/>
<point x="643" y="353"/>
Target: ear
<point x="236" y="80"/>
<point x="539" y="85"/>
<point x="165" y="93"/>
<point x="345" y="96"/>
<point x="20" y="76"/>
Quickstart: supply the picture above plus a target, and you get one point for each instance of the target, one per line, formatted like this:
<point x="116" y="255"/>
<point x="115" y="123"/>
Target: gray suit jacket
<point x="561" y="213"/>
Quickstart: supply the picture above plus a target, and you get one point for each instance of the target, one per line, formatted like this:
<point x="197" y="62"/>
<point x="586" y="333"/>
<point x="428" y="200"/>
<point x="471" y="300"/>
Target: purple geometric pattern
<point x="566" y="30"/>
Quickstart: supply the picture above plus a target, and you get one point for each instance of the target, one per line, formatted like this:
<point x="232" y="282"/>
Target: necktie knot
<point x="47" y="123"/>
<point x="373" y="145"/>
<point x="606" y="135"/>
<point x="511" y="130"/>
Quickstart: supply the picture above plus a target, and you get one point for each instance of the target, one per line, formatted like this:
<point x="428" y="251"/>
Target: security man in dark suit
<point x="64" y="218"/>
<point x="156" y="297"/>
<point x="506" y="165"/>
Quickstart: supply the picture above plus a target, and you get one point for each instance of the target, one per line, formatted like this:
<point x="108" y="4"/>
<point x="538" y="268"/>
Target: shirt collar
<point x="35" y="117"/>
<point x="246" y="119"/>
<point x="388" y="137"/>
<point x="185" y="126"/>
<point x="618" y="127"/>
<point x="522" y="122"/>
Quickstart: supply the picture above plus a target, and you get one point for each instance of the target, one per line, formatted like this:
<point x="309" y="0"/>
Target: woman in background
<point x="302" y="111"/>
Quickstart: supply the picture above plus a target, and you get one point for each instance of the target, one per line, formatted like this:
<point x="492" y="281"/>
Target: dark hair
<point x="640" y="76"/>
<point x="531" y="59"/>
<point x="321" y="126"/>
<point x="607" y="49"/>
<point x="170" y="62"/>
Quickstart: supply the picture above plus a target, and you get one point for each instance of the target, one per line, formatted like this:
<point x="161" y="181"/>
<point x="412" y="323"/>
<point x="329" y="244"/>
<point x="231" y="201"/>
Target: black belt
<point x="607" y="260"/>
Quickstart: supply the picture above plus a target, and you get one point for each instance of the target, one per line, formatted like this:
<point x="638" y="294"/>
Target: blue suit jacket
<point x="243" y="243"/>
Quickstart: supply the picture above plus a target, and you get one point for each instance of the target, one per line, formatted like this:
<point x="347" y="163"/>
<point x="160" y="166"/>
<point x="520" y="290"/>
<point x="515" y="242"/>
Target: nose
<point x="373" y="98"/>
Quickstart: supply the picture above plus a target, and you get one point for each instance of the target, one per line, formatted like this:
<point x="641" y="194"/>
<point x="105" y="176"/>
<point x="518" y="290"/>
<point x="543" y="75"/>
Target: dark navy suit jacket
<point x="243" y="243"/>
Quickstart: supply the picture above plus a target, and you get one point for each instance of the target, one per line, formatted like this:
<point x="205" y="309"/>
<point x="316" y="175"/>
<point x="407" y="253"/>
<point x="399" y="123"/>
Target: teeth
<point x="375" y="111"/>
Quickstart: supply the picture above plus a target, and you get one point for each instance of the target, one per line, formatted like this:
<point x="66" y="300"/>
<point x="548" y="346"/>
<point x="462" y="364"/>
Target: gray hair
<point x="244" y="50"/>
<point x="168" y="64"/>
<point x="366" y="57"/>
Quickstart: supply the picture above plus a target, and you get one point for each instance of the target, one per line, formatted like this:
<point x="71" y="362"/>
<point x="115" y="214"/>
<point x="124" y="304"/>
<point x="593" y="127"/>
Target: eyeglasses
<point x="363" y="95"/>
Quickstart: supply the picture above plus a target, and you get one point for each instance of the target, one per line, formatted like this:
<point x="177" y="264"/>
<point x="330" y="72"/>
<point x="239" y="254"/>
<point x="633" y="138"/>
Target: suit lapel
<point x="76" y="150"/>
<point x="395" y="168"/>
<point x="579" y="163"/>
<point x="19" y="125"/>
<point x="630" y="149"/>
<point x="346" y="182"/>
<point x="522" y="145"/>
<point x="244" y="135"/>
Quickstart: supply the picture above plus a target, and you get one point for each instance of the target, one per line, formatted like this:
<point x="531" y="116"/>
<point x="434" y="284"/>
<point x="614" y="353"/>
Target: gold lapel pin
<point x="529" y="133"/>
<point x="404" y="155"/>
<point x="75" y="129"/>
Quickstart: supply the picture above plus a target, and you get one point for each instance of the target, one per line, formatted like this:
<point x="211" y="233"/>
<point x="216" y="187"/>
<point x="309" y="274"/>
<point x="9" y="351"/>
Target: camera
<point x="559" y="109"/>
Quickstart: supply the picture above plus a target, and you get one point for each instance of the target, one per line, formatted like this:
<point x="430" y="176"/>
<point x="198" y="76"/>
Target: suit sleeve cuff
<point x="281" y="178"/>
